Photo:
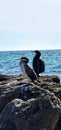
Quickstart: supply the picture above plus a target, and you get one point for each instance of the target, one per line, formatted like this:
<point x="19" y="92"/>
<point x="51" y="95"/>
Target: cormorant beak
<point x="18" y="59"/>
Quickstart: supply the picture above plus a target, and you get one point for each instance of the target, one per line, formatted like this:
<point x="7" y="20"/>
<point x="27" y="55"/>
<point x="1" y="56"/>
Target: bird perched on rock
<point x="27" y="70"/>
<point x="38" y="63"/>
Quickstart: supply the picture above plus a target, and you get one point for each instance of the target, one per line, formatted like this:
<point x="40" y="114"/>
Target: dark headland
<point x="30" y="106"/>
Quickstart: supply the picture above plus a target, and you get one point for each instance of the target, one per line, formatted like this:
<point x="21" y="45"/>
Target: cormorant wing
<point x="41" y="65"/>
<point x="30" y="72"/>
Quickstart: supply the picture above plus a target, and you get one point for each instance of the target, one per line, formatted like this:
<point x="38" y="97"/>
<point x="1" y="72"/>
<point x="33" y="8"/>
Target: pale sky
<point x="30" y="24"/>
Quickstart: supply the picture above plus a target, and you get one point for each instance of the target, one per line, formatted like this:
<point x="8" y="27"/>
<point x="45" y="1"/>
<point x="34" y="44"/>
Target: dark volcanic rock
<point x="4" y="77"/>
<point x="26" y="106"/>
<point x="51" y="78"/>
<point x="36" y="114"/>
<point x="58" y="124"/>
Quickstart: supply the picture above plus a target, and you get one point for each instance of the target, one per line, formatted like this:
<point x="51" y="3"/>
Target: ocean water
<point x="9" y="64"/>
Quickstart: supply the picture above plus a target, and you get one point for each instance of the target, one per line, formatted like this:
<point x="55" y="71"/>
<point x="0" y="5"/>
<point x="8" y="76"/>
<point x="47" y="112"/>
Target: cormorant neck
<point x="37" y="55"/>
<point x="24" y="63"/>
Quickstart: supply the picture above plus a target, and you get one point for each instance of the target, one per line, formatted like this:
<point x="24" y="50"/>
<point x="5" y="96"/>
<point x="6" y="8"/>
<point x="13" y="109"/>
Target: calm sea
<point x="9" y="64"/>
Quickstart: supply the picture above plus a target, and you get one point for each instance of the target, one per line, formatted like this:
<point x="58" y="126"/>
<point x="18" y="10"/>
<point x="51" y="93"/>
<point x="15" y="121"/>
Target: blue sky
<point x="30" y="24"/>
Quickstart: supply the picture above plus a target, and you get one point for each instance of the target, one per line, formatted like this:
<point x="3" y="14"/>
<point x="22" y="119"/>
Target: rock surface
<point x="26" y="106"/>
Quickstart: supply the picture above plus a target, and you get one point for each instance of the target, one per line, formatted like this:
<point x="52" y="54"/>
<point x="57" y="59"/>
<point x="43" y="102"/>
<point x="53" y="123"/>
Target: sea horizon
<point x="31" y="50"/>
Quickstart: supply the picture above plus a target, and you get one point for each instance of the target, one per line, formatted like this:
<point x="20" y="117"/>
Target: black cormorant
<point x="38" y="63"/>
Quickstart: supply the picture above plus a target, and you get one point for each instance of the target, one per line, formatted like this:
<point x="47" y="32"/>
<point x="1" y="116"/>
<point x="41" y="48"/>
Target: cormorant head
<point x="24" y="59"/>
<point x="38" y="53"/>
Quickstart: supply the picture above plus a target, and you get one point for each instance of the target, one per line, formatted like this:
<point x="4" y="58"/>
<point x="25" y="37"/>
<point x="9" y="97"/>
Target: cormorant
<point x="38" y="63"/>
<point x="28" y="72"/>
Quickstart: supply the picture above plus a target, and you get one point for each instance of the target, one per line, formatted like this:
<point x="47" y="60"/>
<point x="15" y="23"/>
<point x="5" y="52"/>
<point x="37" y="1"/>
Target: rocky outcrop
<point x="58" y="124"/>
<point x="26" y="106"/>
